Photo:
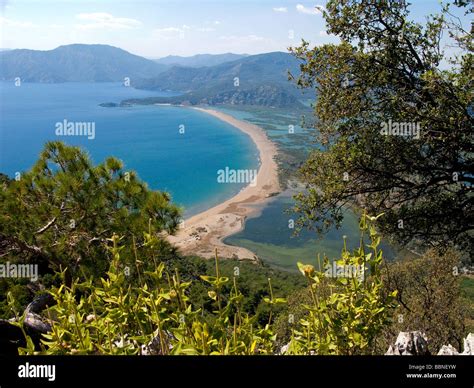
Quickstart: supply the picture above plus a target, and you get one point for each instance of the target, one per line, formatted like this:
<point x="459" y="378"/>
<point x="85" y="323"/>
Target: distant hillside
<point x="240" y="80"/>
<point x="76" y="63"/>
<point x="199" y="60"/>
<point x="262" y="80"/>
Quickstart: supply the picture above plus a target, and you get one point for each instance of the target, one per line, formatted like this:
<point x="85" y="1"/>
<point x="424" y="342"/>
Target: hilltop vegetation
<point x="111" y="284"/>
<point x="155" y="315"/>
<point x="60" y="214"/>
<point x="387" y="72"/>
<point x="132" y="293"/>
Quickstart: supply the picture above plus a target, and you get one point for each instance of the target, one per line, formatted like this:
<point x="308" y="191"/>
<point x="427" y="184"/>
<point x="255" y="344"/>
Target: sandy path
<point x="201" y="234"/>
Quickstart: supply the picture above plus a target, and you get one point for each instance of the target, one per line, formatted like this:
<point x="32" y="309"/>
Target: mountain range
<point x="199" y="60"/>
<point x="76" y="63"/>
<point x="202" y="79"/>
<point x="253" y="80"/>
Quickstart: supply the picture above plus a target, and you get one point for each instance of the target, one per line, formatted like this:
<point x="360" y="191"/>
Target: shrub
<point x="156" y="316"/>
<point x="347" y="319"/>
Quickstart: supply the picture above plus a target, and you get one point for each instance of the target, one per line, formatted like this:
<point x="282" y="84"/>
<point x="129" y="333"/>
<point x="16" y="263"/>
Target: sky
<point x="157" y="28"/>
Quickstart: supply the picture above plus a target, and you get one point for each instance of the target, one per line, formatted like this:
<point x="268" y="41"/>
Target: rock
<point x="415" y="343"/>
<point x="36" y="324"/>
<point x="409" y="343"/>
<point x="468" y="345"/>
<point x="448" y="350"/>
<point x="39" y="303"/>
<point x="153" y="348"/>
<point x="392" y="351"/>
<point x="11" y="337"/>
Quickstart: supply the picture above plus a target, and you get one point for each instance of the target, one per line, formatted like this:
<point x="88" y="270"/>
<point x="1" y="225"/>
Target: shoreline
<point x="202" y="233"/>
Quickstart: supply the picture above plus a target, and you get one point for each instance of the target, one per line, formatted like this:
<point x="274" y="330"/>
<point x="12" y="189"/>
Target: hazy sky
<point x="157" y="28"/>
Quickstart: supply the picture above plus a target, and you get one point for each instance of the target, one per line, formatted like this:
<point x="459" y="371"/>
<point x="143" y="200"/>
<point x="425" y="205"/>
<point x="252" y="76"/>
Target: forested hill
<point x="206" y="79"/>
<point x="254" y="80"/>
<point x="76" y="63"/>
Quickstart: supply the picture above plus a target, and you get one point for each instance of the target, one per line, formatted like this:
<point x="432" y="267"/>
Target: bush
<point x="156" y="316"/>
<point x="348" y="313"/>
<point x="429" y="297"/>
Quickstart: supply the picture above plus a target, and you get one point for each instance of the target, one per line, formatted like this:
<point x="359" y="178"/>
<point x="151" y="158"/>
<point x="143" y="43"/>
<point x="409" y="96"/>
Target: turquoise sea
<point x="146" y="138"/>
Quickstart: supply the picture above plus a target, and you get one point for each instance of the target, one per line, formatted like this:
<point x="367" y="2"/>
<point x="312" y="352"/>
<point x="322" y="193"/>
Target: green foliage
<point x="20" y="294"/>
<point x="347" y="319"/>
<point x="388" y="68"/>
<point x="430" y="299"/>
<point x="252" y="279"/>
<point x="156" y="315"/>
<point x="294" y="312"/>
<point x="118" y="318"/>
<point x="19" y="322"/>
<point x="60" y="212"/>
<point x="64" y="207"/>
<point x="467" y="294"/>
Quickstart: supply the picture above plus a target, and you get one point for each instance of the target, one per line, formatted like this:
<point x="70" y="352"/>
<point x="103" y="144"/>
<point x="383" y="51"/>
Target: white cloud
<point x="316" y="10"/>
<point x="4" y="22"/>
<point x="105" y="20"/>
<point x="280" y="9"/>
<point x="323" y="33"/>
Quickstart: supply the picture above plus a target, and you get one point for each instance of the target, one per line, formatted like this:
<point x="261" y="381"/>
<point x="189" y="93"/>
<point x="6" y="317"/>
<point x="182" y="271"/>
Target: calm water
<point x="271" y="237"/>
<point x="146" y="138"/>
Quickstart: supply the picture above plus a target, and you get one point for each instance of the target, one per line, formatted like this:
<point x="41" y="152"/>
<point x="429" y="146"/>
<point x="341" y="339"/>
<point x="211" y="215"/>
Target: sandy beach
<point x="201" y="234"/>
